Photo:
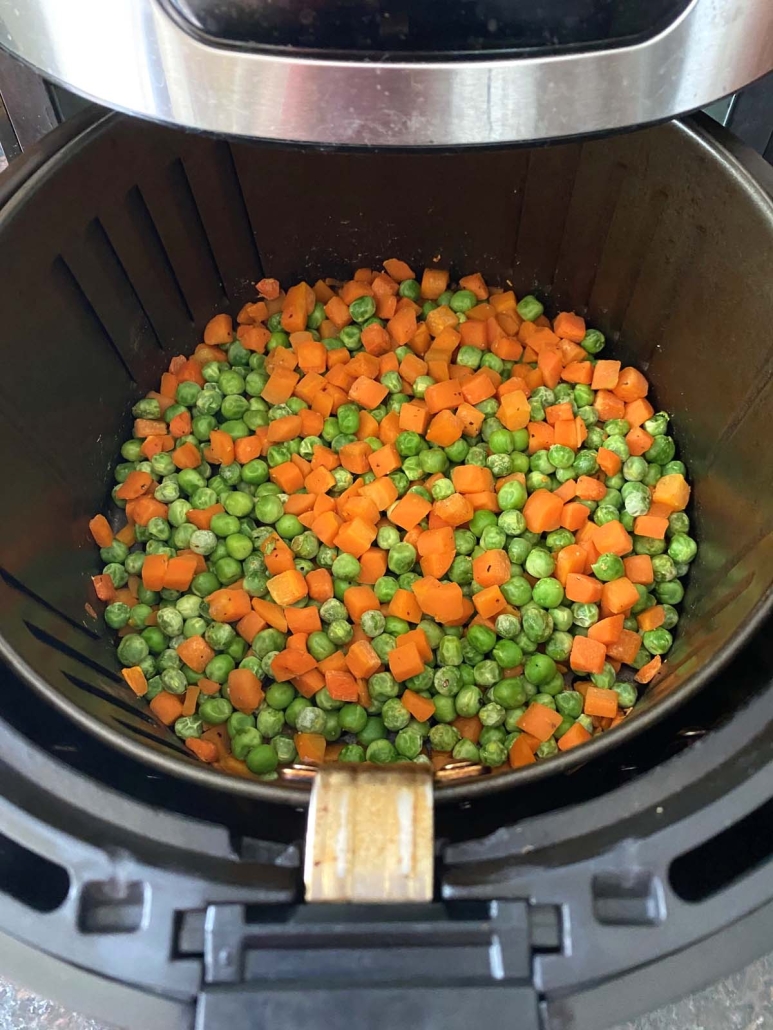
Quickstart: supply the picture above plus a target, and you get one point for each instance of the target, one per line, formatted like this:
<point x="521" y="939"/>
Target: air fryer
<point x="154" y="891"/>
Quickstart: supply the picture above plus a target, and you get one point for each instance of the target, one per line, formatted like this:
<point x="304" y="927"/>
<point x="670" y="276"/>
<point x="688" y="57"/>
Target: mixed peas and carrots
<point x="393" y="519"/>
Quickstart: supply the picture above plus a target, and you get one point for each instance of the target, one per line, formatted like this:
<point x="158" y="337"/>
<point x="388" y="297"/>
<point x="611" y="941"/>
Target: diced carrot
<point x="492" y="568"/>
<point x="489" y="601"/>
<point x="230" y="604"/>
<point x="310" y="747"/>
<point x="649" y="671"/>
<point x="421" y="708"/>
<point x="358" y="600"/>
<point x="135" y="678"/>
<point x="673" y="491"/>
<point x="362" y="660"/>
<point x="609" y="462"/>
<point x="651" y="526"/>
<point x="195" y="653"/>
<point x="539" y="720"/>
<point x="631" y="385"/>
<point x="600" y="702"/>
<point x="179" y="572"/>
<point x="608" y="405"/>
<point x="651" y="618"/>
<point x="578" y="372"/>
<point x="607" y="630"/>
<point x="341" y="685"/>
<point x="638" y="568"/>
<point x="166" y="707"/>
<point x="404" y="605"/>
<point x="405" y="662"/>
<point x="637" y="412"/>
<point x="639" y="441"/>
<point x="574" y="736"/>
<point x="520" y="753"/>
<point x="587" y="655"/>
<point x="574" y="515"/>
<point x="605" y="375"/>
<point x="543" y="511"/>
<point x="100" y="528"/>
<point x="612" y="538"/>
<point x="541" y="436"/>
<point x="287" y="588"/>
<point x="320" y="584"/>
<point x="619" y="595"/>
<point x="244" y="690"/>
<point x="589" y="489"/>
<point x="514" y="411"/>
<point x="625" y="649"/>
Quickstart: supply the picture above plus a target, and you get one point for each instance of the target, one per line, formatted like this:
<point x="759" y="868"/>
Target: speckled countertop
<point x="741" y="1002"/>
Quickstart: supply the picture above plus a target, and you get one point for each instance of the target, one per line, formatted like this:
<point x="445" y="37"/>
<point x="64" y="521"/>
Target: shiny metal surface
<point x="129" y="54"/>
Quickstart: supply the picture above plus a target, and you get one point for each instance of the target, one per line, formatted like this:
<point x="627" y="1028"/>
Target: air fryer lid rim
<point x="164" y="72"/>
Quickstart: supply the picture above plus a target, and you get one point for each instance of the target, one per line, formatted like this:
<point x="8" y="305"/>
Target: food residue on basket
<point x="394" y="519"/>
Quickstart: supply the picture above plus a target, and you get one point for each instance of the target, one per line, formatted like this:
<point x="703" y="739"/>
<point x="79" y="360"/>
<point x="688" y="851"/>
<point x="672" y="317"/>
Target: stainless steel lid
<point x="396" y="72"/>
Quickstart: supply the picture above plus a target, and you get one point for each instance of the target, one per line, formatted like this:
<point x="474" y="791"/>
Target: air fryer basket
<point x="114" y="255"/>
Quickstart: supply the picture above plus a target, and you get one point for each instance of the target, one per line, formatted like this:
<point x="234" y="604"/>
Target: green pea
<point x="608" y="567"/>
<point x="657" y="641"/>
<point x="443" y="737"/>
<point x="517" y="591"/>
<point x="219" y="668"/>
<point x="382" y="686"/>
<point x="626" y="694"/>
<point x="548" y="592"/>
<point x="529" y="308"/>
<point x="662" y="450"/>
<point x="569" y="702"/>
<point x="682" y="548"/>
<point x="539" y="563"/>
<point x="559" y="645"/>
<point x="512" y="495"/>
<point x="380" y="752"/>
<point x="539" y="668"/>
<point x="362" y="309"/>
<point x="374" y="729"/>
<point x="215" y="710"/>
<point x="468" y="701"/>
<point x="585" y="614"/>
<point x="401" y="558"/>
<point x="547" y="748"/>
<point x="537" y="625"/>
<point x="262" y="759"/>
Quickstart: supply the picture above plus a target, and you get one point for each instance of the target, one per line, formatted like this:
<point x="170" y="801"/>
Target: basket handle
<point x="370" y="835"/>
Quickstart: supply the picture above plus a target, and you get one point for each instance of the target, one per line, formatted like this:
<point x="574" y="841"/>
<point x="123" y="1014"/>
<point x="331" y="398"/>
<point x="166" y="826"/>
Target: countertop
<point x="743" y="1001"/>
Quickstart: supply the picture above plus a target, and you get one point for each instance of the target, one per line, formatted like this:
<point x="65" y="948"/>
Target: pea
<point x="374" y="729"/>
<point x="539" y="563"/>
<point x="512" y="495"/>
<point x="219" y="668"/>
<point x="510" y="693"/>
<point x="569" y="702"/>
<point x="539" y="668"/>
<point x="682" y="548"/>
<point x="468" y="701"/>
<point x="657" y="641"/>
<point x="362" y="309"/>
<point x="537" y="625"/>
<point x="529" y="308"/>
<point x="262" y="759"/>
<point x="507" y="654"/>
<point x="548" y="592"/>
<point x="608" y="567"/>
<point x="215" y="710"/>
<point x="626" y="694"/>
